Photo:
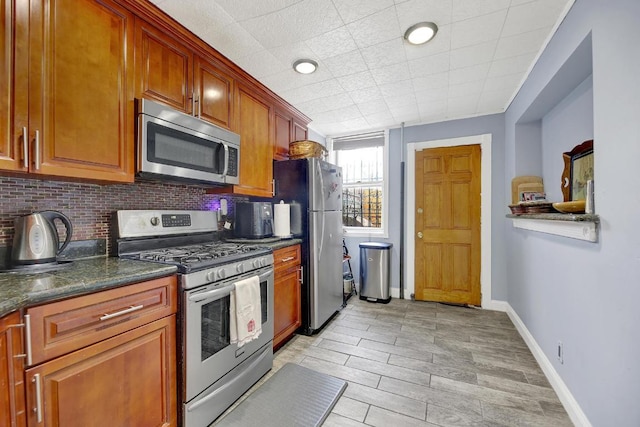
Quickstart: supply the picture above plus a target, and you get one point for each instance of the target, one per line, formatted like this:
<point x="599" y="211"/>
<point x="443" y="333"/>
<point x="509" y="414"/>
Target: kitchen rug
<point x="293" y="396"/>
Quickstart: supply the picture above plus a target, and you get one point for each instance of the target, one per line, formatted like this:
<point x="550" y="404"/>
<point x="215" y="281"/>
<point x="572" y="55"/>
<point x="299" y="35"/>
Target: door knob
<point x="420" y="210"/>
<point x="419" y="234"/>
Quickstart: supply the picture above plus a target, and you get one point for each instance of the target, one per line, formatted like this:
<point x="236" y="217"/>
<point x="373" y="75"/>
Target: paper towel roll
<point x="281" y="219"/>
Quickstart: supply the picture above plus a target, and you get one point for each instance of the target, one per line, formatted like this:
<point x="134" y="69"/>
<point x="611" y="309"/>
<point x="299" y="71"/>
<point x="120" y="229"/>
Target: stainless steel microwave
<point x="176" y="146"/>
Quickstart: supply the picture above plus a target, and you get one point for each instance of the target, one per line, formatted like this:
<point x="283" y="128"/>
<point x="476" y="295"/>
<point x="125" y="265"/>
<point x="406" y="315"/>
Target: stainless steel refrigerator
<point x="314" y="189"/>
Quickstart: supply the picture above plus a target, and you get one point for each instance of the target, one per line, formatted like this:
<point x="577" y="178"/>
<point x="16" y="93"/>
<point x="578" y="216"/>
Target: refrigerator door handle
<point x="319" y="172"/>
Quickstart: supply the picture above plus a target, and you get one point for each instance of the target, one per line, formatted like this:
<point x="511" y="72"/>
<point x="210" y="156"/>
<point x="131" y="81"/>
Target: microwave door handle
<point x="226" y="160"/>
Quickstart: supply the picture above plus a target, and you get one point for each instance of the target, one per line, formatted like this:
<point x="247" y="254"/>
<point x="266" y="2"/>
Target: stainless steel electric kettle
<point x="36" y="239"/>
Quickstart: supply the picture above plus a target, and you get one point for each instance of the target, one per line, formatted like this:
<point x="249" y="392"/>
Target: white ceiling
<point x="368" y="76"/>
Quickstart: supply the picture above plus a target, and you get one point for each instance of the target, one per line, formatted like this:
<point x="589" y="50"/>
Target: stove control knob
<point x="240" y="268"/>
<point x="211" y="276"/>
<point x="155" y="221"/>
<point x="256" y="263"/>
<point x="222" y="274"/>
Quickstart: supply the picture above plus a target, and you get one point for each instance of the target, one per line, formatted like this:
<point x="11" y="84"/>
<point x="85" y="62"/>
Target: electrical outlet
<point x="560" y="352"/>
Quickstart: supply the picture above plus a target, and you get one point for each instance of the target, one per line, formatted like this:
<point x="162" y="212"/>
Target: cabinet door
<point x="11" y="378"/>
<point x="299" y="131"/>
<point x="127" y="380"/>
<point x="286" y="305"/>
<point x="80" y="91"/>
<point x="283" y="136"/>
<point x="14" y="60"/>
<point x="256" y="152"/>
<point x="215" y="94"/>
<point x="164" y="68"/>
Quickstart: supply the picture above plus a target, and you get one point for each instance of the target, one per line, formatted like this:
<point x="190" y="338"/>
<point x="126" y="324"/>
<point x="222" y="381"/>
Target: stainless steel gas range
<point x="212" y="372"/>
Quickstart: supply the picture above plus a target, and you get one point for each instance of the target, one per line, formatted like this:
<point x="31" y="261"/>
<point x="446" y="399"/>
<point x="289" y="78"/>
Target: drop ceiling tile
<point x="390" y="74"/>
<point x="346" y="64"/>
<point x="232" y="41"/>
<point x="440" y="43"/>
<point x="521" y="43"/>
<point x="347" y="113"/>
<point x="471" y="88"/>
<point x="462" y="106"/>
<point x="356" y="124"/>
<point x="375" y="29"/>
<point x="477" y="30"/>
<point x="196" y="17"/>
<point x="494" y="101"/>
<point x="401" y="101"/>
<point x="242" y="10"/>
<point x="381" y="120"/>
<point x="301" y="21"/>
<point x="429" y="65"/>
<point x="434" y="81"/>
<point x="357" y="81"/>
<point x="468" y="74"/>
<point x="383" y="54"/>
<point x="405" y="112"/>
<point x="506" y="82"/>
<point x="429" y="96"/>
<point x="401" y="87"/>
<point x="353" y="10"/>
<point x="473" y="55"/>
<point x="467" y="9"/>
<point x="515" y="64"/>
<point x="332" y="43"/>
<point x="432" y="108"/>
<point x="313" y="91"/>
<point x="532" y="16"/>
<point x="338" y="101"/>
<point x="366" y="95"/>
<point x="290" y="53"/>
<point x="373" y="107"/>
<point x="313" y="107"/>
<point x="413" y="11"/>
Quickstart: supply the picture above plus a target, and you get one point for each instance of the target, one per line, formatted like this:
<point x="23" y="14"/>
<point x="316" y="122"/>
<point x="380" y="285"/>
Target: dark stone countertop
<point x="270" y="242"/>
<point x="23" y="289"/>
<point x="558" y="217"/>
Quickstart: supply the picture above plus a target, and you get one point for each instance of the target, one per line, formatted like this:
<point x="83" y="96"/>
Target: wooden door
<point x="164" y="68"/>
<point x="11" y="373"/>
<point x="256" y="154"/>
<point x="80" y="91"/>
<point x="447" y="225"/>
<point x="215" y="94"/>
<point x="127" y="380"/>
<point x="14" y="61"/>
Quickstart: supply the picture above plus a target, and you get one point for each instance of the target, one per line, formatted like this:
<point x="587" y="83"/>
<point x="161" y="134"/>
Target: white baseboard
<point x="568" y="401"/>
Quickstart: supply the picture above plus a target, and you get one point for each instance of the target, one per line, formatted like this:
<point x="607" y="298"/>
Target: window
<point x="363" y="162"/>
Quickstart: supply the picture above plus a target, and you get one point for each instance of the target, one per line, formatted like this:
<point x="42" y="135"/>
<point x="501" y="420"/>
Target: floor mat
<point x="293" y="396"/>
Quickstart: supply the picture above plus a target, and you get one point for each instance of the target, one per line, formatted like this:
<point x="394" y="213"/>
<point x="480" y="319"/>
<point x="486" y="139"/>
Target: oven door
<point x="208" y="353"/>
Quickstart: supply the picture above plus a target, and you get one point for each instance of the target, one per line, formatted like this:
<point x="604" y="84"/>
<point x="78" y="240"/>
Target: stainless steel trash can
<point x="375" y="271"/>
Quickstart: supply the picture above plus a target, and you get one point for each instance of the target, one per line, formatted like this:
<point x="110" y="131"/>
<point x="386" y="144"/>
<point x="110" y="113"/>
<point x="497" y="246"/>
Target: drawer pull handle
<point x="289" y="258"/>
<point x="121" y="312"/>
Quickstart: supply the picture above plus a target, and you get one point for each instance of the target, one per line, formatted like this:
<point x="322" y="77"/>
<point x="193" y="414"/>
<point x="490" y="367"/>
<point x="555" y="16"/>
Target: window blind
<point x="365" y="140"/>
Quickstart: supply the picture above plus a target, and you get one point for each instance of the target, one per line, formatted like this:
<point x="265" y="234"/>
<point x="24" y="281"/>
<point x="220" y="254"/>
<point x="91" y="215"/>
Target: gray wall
<point x="493" y="124"/>
<point x="580" y="293"/>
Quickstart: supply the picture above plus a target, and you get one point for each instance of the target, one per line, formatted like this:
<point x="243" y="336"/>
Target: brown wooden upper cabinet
<point x="287" y="129"/>
<point x="170" y="72"/>
<point x="66" y="104"/>
<point x="254" y="126"/>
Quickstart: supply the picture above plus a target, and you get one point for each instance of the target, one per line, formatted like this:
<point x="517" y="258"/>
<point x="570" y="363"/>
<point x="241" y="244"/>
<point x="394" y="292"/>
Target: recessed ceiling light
<point x="421" y="33"/>
<point x="305" y="66"/>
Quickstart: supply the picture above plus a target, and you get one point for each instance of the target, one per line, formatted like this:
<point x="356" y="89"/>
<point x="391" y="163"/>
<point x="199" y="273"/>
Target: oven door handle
<point x="213" y="294"/>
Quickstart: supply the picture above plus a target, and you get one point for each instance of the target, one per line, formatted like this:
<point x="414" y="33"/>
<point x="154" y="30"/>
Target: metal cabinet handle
<point x="27" y="339"/>
<point x="301" y="280"/>
<point x="38" y="408"/>
<point x="226" y="160"/>
<point x="37" y="149"/>
<point x="121" y="312"/>
<point x="273" y="187"/>
<point x="25" y="147"/>
<point x="287" y="259"/>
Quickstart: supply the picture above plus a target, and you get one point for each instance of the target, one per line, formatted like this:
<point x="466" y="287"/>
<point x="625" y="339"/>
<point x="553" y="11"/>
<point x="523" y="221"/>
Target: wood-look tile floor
<point x="411" y="363"/>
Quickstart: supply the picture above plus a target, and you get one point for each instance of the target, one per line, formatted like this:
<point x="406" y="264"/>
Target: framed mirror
<point x="578" y="169"/>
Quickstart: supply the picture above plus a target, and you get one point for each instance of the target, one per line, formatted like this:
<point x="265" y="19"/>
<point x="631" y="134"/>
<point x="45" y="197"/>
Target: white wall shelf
<point x="581" y="227"/>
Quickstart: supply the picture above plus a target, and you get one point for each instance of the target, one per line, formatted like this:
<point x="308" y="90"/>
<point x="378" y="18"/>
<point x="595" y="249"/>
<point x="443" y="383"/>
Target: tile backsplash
<point x="91" y="206"/>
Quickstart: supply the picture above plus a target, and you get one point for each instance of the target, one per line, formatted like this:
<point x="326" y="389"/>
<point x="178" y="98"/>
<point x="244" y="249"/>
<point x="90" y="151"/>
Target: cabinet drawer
<point x="61" y="327"/>
<point x="285" y="258"/>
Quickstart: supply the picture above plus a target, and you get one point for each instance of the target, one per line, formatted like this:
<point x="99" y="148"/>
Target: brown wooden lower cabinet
<point x="287" y="286"/>
<point x="11" y="370"/>
<point x="126" y="380"/>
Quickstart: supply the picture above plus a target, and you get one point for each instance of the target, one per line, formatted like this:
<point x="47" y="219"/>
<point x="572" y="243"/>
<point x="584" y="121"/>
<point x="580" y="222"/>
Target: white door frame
<point x="485" y="210"/>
